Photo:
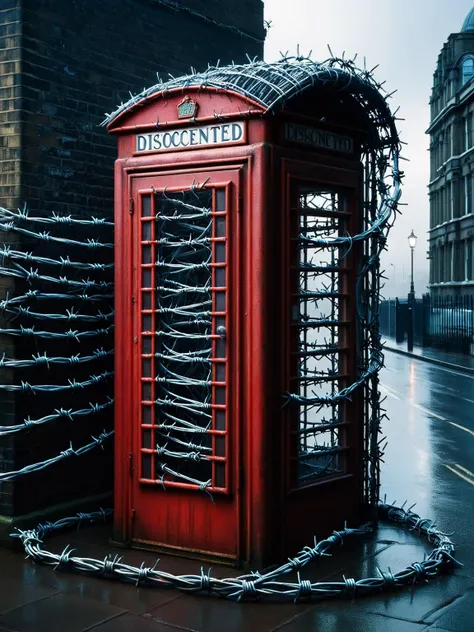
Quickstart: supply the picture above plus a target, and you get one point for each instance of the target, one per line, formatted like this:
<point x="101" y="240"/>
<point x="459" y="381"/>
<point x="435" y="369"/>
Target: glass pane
<point x="220" y="348"/>
<point x="146" y="415"/>
<point x="219" y="394"/>
<point x="146" y="231"/>
<point x="315" y="323"/>
<point x="146" y="322"/>
<point x="146" y="367"/>
<point x="220" y="301"/>
<point x="220" y="372"/>
<point x="146" y="205"/>
<point x="146" y="277"/>
<point x="220" y="475"/>
<point x="220" y="200"/>
<point x="220" y="419"/>
<point x="220" y="446"/>
<point x="146" y="344"/>
<point x="146" y="254"/>
<point x="183" y="347"/>
<point x="220" y="252"/>
<point x="146" y="391"/>
<point x="220" y="226"/>
<point x="146" y="438"/>
<point x="146" y="300"/>
<point x="146" y="466"/>
<point x="177" y="287"/>
<point x="220" y="277"/>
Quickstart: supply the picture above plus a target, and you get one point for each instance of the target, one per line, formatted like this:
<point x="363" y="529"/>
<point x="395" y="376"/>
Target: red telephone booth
<point x="244" y="425"/>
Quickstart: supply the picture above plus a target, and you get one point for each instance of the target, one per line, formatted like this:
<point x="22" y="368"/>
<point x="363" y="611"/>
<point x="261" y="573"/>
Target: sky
<point x="404" y="38"/>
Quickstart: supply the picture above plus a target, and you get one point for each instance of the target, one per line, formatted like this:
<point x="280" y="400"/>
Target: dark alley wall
<point x="63" y="65"/>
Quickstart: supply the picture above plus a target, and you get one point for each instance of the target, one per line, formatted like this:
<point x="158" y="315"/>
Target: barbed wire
<point x="9" y="226"/>
<point x="76" y="305"/>
<point x="33" y="275"/>
<point x="72" y="385"/>
<point x="70" y="315"/>
<point x="36" y="467"/>
<point x="64" y="262"/>
<point x="256" y="586"/>
<point x="59" y="413"/>
<point x="23" y="215"/>
<point x="35" y="294"/>
<point x="71" y="334"/>
<point x="42" y="359"/>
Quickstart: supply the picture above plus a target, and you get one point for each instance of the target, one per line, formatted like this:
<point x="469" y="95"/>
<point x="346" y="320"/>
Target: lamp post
<point x="411" y="294"/>
<point x="412" y="243"/>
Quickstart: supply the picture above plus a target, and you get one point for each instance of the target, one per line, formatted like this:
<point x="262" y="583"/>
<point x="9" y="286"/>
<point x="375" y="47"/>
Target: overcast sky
<point x="404" y="38"/>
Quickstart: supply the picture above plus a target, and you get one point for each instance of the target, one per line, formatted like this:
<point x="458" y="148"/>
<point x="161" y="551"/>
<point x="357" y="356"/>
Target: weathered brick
<point x="64" y="65"/>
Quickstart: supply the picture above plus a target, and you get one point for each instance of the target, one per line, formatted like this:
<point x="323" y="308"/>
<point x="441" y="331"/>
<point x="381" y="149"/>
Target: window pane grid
<point x="183" y="312"/>
<point x="319" y="335"/>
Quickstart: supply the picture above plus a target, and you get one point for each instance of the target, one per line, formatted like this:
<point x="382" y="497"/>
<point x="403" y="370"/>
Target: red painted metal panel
<point x="259" y="513"/>
<point x="337" y="495"/>
<point x="183" y="516"/>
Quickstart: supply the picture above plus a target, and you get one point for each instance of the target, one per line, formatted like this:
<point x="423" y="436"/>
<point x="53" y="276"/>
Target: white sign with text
<point x="191" y="137"/>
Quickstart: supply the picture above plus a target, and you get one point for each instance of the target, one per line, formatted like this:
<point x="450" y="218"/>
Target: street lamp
<point x="411" y="295"/>
<point x="412" y="243"/>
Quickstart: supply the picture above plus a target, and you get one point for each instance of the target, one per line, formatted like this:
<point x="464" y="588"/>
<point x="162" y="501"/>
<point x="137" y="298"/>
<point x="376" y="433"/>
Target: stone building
<point x="63" y="65"/>
<point x="451" y="187"/>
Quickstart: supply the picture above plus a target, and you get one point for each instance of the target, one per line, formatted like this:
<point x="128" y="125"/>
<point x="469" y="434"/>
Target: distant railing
<point x="445" y="322"/>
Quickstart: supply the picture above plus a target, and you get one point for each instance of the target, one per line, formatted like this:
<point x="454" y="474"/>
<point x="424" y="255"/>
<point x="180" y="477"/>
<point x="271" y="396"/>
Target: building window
<point x="451" y="262"/>
<point x="466" y="260"/>
<point x="467" y="194"/>
<point x="467" y="69"/>
<point x="441" y="205"/>
<point x="471" y="259"/>
<point x="447" y="142"/>
<point x="451" y="200"/>
<point x="468" y="131"/>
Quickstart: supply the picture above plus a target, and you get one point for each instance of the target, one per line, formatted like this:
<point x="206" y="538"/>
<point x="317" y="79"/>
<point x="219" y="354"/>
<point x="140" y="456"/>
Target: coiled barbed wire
<point x="255" y="586"/>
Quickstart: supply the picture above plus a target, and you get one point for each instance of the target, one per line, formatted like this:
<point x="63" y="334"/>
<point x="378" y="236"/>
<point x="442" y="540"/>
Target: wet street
<point x="430" y="454"/>
<point x="429" y="461"/>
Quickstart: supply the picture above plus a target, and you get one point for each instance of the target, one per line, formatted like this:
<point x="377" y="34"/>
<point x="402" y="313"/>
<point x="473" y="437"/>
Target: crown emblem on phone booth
<point x="187" y="108"/>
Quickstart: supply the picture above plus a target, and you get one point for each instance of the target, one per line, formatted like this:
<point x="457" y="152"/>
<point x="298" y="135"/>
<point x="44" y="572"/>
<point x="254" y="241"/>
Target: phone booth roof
<point x="270" y="87"/>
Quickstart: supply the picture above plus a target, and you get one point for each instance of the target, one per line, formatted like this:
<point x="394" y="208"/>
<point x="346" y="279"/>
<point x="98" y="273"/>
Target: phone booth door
<point x="185" y="438"/>
<point x="324" y="430"/>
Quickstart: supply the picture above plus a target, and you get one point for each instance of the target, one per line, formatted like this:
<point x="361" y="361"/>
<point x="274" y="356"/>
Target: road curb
<point x="448" y="365"/>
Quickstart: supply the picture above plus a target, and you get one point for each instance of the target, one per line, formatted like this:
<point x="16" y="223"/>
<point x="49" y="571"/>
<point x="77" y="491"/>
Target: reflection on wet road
<point x="430" y="455"/>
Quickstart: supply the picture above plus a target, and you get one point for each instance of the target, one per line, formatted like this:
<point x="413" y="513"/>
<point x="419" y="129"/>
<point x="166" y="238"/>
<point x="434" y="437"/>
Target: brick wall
<point x="10" y="154"/>
<point x="63" y="66"/>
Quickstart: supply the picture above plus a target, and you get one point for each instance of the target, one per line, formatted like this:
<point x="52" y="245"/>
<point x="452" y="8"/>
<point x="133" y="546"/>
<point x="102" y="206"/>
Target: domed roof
<point x="469" y="21"/>
<point x="272" y="85"/>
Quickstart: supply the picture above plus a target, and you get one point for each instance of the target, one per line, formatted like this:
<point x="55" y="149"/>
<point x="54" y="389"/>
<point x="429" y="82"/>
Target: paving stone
<point x="207" y="614"/>
<point x="342" y="621"/>
<point x="457" y="616"/>
<point x="26" y="573"/>
<point x="14" y="593"/>
<point x="59" y="613"/>
<point x="132" y="623"/>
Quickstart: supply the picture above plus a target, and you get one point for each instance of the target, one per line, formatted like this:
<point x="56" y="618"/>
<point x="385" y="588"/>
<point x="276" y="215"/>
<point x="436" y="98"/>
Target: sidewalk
<point x="456" y="361"/>
<point x="35" y="598"/>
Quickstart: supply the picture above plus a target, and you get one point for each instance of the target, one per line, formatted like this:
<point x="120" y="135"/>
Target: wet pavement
<point x="432" y="355"/>
<point x="429" y="460"/>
